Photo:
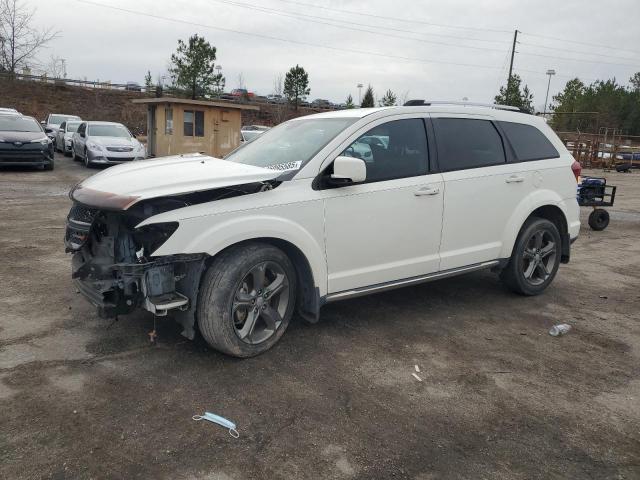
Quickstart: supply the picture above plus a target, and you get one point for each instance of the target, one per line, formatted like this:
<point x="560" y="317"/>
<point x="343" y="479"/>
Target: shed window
<point x="168" y="120"/>
<point x="193" y="123"/>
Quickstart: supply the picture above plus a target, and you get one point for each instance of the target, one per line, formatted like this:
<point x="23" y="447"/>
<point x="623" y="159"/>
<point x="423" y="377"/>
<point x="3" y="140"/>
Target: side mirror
<point x="349" y="170"/>
<point x="43" y="123"/>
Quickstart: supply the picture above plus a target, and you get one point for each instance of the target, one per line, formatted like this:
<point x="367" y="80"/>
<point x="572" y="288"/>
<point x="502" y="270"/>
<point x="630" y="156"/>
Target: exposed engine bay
<point x="113" y="264"/>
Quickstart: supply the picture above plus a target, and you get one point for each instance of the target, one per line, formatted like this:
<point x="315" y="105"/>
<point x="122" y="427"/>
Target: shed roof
<point x="204" y="103"/>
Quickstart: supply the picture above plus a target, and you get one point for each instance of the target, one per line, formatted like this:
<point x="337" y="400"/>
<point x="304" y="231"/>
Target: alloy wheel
<point x="539" y="257"/>
<point x="260" y="303"/>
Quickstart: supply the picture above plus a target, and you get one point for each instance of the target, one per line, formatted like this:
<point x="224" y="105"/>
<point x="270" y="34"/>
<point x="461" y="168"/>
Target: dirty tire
<point x="514" y="274"/>
<point x="219" y="289"/>
<point x="48" y="166"/>
<point x="599" y="219"/>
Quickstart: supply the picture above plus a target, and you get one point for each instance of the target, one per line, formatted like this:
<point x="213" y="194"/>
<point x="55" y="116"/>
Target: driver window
<point x="392" y="150"/>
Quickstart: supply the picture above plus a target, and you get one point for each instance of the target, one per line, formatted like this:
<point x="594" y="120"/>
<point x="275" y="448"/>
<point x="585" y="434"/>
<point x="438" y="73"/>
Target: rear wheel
<point x="535" y="258"/>
<point x="247" y="299"/>
<point x="599" y="219"/>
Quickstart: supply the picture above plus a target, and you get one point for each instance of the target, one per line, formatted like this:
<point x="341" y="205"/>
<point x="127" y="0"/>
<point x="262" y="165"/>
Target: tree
<point x="389" y="99"/>
<point x="148" y="83"/>
<point x="368" y="100"/>
<point x="567" y="101"/>
<point x="513" y="95"/>
<point x="192" y="67"/>
<point x="20" y="41"/>
<point x="56" y="68"/>
<point x="296" y="85"/>
<point x="349" y="103"/>
<point x="279" y="108"/>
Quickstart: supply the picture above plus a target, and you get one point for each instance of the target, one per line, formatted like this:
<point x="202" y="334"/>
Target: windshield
<point x="72" y="127"/>
<point x="18" y="124"/>
<point x="290" y="145"/>
<point x="58" y="119"/>
<point x="108" y="131"/>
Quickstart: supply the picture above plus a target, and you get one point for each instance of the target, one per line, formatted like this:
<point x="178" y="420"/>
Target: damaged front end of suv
<point x="113" y="263"/>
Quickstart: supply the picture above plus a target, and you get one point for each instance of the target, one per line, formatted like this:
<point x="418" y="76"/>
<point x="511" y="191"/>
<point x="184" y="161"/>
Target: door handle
<point x="514" y="179"/>
<point x="426" y="191"/>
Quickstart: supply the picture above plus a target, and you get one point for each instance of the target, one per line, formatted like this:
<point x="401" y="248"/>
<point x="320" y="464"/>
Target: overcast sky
<point x="107" y="44"/>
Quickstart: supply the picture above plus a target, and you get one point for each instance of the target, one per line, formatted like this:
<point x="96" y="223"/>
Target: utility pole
<point x="513" y="52"/>
<point x="359" y="86"/>
<point x="550" y="72"/>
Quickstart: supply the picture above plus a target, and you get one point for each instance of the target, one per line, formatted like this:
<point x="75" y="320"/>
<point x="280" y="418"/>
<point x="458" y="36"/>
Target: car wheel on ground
<point x="87" y="163"/>
<point x="599" y="219"/>
<point x="48" y="166"/>
<point x="246" y="299"/>
<point x="535" y="258"/>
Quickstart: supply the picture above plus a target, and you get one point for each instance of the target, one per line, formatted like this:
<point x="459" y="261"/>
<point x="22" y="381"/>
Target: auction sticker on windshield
<point x="286" y="167"/>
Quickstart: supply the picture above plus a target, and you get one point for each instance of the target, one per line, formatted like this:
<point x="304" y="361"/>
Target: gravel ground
<point x="81" y="397"/>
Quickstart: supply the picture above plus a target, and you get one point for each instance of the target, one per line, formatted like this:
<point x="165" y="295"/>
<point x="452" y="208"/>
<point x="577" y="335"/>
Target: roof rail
<point x="414" y="103"/>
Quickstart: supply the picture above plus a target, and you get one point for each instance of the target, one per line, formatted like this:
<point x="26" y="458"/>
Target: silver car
<point x="64" y="136"/>
<point x="8" y="111"/>
<point x="105" y="143"/>
<point x="53" y="121"/>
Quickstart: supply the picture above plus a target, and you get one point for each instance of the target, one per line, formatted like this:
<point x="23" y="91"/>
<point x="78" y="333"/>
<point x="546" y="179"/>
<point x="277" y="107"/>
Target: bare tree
<point x="280" y="106"/>
<point x="404" y="97"/>
<point x="20" y="40"/>
<point x="57" y="67"/>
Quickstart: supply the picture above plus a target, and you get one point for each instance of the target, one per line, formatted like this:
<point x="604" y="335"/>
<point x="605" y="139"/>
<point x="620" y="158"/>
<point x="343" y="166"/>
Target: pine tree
<point x="193" y="66"/>
<point x="296" y="85"/>
<point x="512" y="95"/>
<point x="148" y="83"/>
<point x="368" y="100"/>
<point x="349" y="103"/>
<point x="389" y="99"/>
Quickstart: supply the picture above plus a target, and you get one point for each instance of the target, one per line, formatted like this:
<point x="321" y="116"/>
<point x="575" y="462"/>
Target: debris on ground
<point x="417" y="368"/>
<point x="212" y="417"/>
<point x="415" y="375"/>
<point x="559" y="330"/>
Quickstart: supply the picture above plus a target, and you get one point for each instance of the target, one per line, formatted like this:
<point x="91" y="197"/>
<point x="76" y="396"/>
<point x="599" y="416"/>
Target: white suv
<point x="323" y="208"/>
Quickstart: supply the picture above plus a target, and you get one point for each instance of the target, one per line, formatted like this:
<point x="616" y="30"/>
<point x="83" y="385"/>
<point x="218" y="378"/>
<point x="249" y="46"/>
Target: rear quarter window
<point x="528" y="142"/>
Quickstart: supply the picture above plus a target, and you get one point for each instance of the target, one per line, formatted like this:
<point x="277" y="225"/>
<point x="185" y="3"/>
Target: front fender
<point x="212" y="234"/>
<point x="536" y="199"/>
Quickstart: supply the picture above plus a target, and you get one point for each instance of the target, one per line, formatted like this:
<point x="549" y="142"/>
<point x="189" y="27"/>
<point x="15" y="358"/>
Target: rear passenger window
<point x="467" y="143"/>
<point x="395" y="149"/>
<point x="528" y="142"/>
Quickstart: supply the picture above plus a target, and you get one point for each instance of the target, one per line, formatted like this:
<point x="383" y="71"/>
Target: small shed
<point x="179" y="125"/>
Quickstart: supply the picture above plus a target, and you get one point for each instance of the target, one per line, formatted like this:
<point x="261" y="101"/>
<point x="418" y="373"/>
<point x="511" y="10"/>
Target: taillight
<point x="576" y="168"/>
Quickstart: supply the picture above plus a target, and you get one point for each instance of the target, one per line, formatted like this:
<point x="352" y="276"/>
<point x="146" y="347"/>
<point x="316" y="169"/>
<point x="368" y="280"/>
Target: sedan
<point x="23" y="142"/>
<point x="64" y="136"/>
<point x="105" y="143"/>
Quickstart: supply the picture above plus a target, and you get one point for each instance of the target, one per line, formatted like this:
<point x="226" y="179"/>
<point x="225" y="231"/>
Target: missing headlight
<point x="152" y="236"/>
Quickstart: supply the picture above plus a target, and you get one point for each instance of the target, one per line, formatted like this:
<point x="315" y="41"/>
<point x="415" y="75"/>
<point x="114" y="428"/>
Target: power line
<point x="286" y="40"/>
<point x="599" y="45"/>
<point x="350" y="27"/>
<point x="387" y="17"/>
<point x="578" y="60"/>
<point x="538" y="45"/>
<point x="349" y="23"/>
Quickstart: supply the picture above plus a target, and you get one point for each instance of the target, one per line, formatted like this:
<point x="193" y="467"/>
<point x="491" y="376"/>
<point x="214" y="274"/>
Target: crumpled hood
<point x="144" y="179"/>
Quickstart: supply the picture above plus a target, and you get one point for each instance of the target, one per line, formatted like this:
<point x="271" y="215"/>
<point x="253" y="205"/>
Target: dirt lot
<point x="80" y="398"/>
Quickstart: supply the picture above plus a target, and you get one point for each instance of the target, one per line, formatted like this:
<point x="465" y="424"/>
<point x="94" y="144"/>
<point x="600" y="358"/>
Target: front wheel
<point x="247" y="299"/>
<point x="535" y="258"/>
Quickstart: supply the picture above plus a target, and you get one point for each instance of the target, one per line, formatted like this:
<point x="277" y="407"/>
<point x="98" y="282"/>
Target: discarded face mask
<point x="559" y="330"/>
<point x="212" y="417"/>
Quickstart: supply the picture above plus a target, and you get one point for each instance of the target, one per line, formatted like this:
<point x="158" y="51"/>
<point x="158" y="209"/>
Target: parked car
<point x="321" y="103"/>
<point x="241" y="93"/>
<point x="64" y="136"/>
<point x="274" y="98"/>
<point x="105" y="143"/>
<point x="295" y="219"/>
<point x="53" y="121"/>
<point x="8" y="111"/>
<point x="23" y="142"/>
<point x="249" y="132"/>
<point x="133" y="87"/>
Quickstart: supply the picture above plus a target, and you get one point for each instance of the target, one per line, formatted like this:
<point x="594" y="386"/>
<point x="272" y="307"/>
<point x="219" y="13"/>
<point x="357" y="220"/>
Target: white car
<point x="8" y="111"/>
<point x="105" y="143"/>
<point x="295" y="219"/>
<point x="53" y="122"/>
<point x="64" y="136"/>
